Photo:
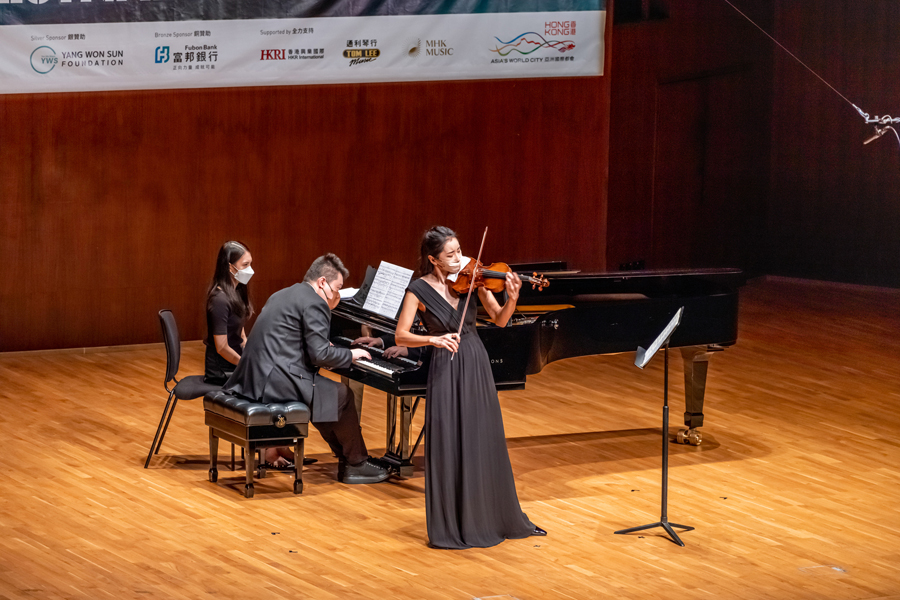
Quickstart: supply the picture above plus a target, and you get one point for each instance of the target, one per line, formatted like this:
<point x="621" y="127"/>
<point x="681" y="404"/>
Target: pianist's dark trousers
<point x="345" y="435"/>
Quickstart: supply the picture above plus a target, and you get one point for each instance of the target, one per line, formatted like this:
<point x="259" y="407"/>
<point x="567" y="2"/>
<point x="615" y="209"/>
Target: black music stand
<point x="640" y="360"/>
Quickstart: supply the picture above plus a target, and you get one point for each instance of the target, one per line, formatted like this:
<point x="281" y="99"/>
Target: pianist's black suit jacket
<point x="287" y="344"/>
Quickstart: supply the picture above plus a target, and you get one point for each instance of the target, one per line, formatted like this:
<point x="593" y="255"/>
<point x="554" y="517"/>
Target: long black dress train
<point x="470" y="493"/>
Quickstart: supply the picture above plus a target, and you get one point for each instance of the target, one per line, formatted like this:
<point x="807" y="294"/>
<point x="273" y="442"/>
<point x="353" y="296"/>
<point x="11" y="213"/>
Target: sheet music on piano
<point x="388" y="289"/>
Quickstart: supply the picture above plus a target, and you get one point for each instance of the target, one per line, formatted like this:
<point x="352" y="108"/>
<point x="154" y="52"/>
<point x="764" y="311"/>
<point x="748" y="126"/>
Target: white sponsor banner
<point x="194" y="54"/>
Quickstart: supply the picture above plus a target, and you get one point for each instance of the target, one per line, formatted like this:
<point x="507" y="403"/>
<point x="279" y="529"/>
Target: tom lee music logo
<point x="362" y="51"/>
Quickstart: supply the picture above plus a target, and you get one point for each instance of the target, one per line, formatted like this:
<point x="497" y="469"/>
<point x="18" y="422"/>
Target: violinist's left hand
<point x="513" y="285"/>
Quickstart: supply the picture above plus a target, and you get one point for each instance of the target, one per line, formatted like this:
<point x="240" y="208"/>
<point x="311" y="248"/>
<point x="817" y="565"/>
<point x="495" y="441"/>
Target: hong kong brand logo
<point x="532" y="41"/>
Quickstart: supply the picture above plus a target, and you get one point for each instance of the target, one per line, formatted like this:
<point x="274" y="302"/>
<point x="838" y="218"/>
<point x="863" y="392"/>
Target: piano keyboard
<point x="379" y="366"/>
<point x="387" y="367"/>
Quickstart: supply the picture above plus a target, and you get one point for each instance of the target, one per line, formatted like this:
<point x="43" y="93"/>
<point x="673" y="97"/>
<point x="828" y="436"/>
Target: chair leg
<point x="158" y="428"/>
<point x="298" y="466"/>
<point x="213" y="455"/>
<point x="166" y="428"/>
<point x="260" y="464"/>
<point x="249" y="456"/>
<point x="232" y="457"/>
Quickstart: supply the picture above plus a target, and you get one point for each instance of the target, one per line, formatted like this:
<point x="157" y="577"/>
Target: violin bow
<point x="462" y="319"/>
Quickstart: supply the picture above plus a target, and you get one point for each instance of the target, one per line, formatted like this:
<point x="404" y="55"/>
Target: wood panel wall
<point x="115" y="204"/>
<point x="689" y="138"/>
<point x="835" y="204"/>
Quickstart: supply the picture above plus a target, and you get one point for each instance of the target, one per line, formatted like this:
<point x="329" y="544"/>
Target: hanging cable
<point x="884" y="121"/>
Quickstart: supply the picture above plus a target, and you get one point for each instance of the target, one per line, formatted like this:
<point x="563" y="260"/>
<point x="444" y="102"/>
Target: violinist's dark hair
<point x="238" y="295"/>
<point x="433" y="243"/>
<point x="327" y="266"/>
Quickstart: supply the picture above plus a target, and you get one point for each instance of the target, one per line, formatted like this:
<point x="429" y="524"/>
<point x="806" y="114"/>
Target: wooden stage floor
<point x="794" y="493"/>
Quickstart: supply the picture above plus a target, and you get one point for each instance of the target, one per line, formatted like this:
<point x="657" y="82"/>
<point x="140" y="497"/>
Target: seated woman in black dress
<point x="470" y="493"/>
<point x="227" y="309"/>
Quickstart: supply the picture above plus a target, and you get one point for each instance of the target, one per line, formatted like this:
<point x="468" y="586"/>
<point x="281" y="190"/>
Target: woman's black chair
<point x="188" y="388"/>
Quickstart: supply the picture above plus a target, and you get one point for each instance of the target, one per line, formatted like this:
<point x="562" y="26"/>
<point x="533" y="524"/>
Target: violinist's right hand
<point x="359" y="353"/>
<point x="368" y="341"/>
<point x="450" y="341"/>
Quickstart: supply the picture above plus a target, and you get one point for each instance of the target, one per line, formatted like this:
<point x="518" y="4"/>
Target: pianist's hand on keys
<point x="368" y="341"/>
<point x="359" y="353"/>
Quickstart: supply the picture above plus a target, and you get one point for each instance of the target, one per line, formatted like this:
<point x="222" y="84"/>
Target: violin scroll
<point x="538" y="282"/>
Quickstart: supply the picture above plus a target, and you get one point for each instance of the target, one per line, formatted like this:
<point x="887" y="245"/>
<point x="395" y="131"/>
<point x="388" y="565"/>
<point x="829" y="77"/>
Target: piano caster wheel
<point x="248" y="491"/>
<point x="298" y="486"/>
<point x="213" y="475"/>
<point x="691" y="437"/>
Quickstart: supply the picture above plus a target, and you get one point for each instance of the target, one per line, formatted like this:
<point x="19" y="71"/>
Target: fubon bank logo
<point x="44" y="59"/>
<point x="162" y="54"/>
<point x="530" y="42"/>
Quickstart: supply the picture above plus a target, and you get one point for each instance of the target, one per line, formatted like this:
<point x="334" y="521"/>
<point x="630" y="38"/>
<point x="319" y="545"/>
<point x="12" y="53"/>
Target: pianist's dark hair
<point x="238" y="295"/>
<point x="328" y="266"/>
<point x="432" y="244"/>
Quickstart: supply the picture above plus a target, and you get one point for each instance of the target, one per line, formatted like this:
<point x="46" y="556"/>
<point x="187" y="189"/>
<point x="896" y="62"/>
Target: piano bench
<point x="254" y="425"/>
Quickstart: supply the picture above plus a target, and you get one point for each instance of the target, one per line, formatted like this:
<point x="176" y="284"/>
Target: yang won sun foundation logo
<point x="44" y="59"/>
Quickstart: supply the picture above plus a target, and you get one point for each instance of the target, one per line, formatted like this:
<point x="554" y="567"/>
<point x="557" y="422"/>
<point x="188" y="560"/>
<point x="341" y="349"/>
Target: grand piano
<point x="578" y="314"/>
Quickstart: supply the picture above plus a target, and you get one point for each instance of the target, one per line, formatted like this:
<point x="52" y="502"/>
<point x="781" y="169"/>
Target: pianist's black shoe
<point x="367" y="471"/>
<point x="538" y="531"/>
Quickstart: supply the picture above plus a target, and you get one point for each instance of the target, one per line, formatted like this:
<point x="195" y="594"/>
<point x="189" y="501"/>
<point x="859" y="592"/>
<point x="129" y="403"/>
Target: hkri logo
<point x="43" y="59"/>
<point x="162" y="54"/>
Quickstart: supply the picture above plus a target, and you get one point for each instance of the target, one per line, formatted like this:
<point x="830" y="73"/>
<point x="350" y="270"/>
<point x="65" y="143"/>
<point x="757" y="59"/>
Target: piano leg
<point x="399" y="423"/>
<point x="696" y="366"/>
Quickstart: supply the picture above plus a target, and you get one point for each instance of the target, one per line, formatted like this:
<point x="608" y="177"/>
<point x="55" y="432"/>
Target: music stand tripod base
<point x="641" y="360"/>
<point x="665" y="525"/>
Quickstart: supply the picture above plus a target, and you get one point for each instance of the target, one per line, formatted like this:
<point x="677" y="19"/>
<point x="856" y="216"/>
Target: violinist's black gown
<point x="470" y="493"/>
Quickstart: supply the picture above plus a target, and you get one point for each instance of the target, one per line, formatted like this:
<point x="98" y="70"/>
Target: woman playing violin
<point x="470" y="492"/>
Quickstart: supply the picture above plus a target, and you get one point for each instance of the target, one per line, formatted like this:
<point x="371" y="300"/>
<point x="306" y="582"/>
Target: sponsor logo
<point x="531" y="42"/>
<point x="196" y="57"/>
<point x="559" y="28"/>
<point x="414" y="48"/>
<point x="76" y="59"/>
<point x="44" y="59"/>
<point x="361" y="51"/>
<point x="430" y="47"/>
<point x="162" y="54"/>
<point x="496" y="361"/>
<point x="292" y="53"/>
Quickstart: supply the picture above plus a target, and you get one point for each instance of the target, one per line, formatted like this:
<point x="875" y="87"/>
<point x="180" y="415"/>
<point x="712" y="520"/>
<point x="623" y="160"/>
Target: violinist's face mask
<point x="450" y="266"/>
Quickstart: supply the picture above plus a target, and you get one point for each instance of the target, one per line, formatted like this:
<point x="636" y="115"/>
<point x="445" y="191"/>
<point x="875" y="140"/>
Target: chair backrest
<point x="173" y="343"/>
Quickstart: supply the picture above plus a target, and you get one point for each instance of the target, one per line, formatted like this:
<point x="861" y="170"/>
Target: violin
<point x="492" y="277"/>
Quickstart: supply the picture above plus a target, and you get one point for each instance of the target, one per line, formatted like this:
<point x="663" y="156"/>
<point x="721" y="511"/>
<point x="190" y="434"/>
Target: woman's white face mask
<point x="452" y="266"/>
<point x="244" y="275"/>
